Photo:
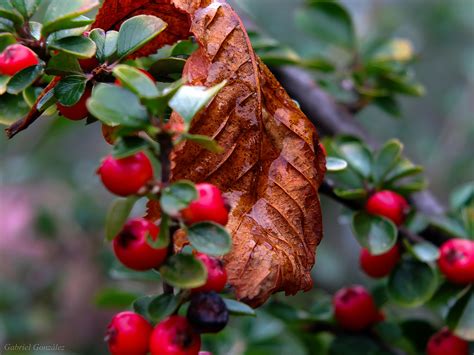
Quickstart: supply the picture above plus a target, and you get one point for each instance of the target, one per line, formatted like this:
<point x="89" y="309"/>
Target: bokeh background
<point x="54" y="264"/>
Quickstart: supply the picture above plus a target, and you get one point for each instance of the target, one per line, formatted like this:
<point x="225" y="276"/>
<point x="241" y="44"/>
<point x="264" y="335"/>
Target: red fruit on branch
<point x="77" y="111"/>
<point x="132" y="249"/>
<point x="15" y="58"/>
<point x="456" y="260"/>
<point x="128" y="333"/>
<point x="174" y="336"/>
<point x="119" y="82"/>
<point x="378" y="266"/>
<point x="210" y="206"/>
<point x="355" y="309"/>
<point x="89" y="64"/>
<point x="216" y="274"/>
<point x="388" y="204"/>
<point x="444" y="342"/>
<point x="126" y="176"/>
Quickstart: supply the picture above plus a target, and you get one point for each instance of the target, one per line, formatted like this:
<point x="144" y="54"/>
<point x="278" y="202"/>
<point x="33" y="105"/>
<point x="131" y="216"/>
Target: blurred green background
<point x="53" y="261"/>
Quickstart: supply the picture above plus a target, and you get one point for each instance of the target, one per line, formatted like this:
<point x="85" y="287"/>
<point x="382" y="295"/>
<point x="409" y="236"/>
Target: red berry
<point x="89" y="64"/>
<point x="15" y="58"/>
<point x="216" y="274"/>
<point x="132" y="249"/>
<point x="128" y="333"/>
<point x="126" y="176"/>
<point x="119" y="82"/>
<point x="379" y="265"/>
<point x="446" y="343"/>
<point x="210" y="206"/>
<point x="79" y="110"/>
<point x="354" y="308"/>
<point x="174" y="336"/>
<point x="456" y="260"/>
<point x="388" y="204"/>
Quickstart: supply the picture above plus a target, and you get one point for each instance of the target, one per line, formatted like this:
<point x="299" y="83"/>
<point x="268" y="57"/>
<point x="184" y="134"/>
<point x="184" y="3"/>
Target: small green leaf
<point x="115" y="106"/>
<point x="163" y="306"/>
<point x="334" y="164"/>
<point x="126" y="146"/>
<point x="189" y="100"/>
<point x="387" y="158"/>
<point x="210" y="238"/>
<point x="7" y="11"/>
<point x="462" y="196"/>
<point x="163" y="239"/>
<point x="4" y="79"/>
<point x="177" y="196"/>
<point x="26" y="7"/>
<point x="12" y="108"/>
<point x="106" y="43"/>
<point x="358" y="156"/>
<point x="31" y="94"/>
<point x="351" y="194"/>
<point x="72" y="32"/>
<point x="117" y="216"/>
<point x="402" y="85"/>
<point x="404" y="168"/>
<point x="63" y="64"/>
<point x="412" y="283"/>
<point x="110" y="46"/>
<point x="165" y="67"/>
<point x="461" y="316"/>
<point x="59" y="13"/>
<point x="237" y="308"/>
<point x="425" y="252"/>
<point x="140" y="305"/>
<point x="389" y="105"/>
<point x="113" y="298"/>
<point x="120" y="272"/>
<point x="375" y="233"/>
<point x="136" y="32"/>
<point x="204" y="141"/>
<point x="136" y="81"/>
<point x="6" y="39"/>
<point x="70" y="89"/>
<point x="184" y="271"/>
<point x="79" y="46"/>
<point x="24" y="78"/>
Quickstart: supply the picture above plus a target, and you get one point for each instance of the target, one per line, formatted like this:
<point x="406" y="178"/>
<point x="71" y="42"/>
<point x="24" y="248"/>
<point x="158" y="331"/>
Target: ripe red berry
<point x="379" y="265"/>
<point x="128" y="333"/>
<point x="15" y="58"/>
<point x="119" y="82"/>
<point x="210" y="206"/>
<point x="77" y="111"/>
<point x="126" y="176"/>
<point x="216" y="274"/>
<point x="456" y="260"/>
<point x="174" y="336"/>
<point x="132" y="249"/>
<point x="354" y="308"/>
<point x="388" y="204"/>
<point x="444" y="342"/>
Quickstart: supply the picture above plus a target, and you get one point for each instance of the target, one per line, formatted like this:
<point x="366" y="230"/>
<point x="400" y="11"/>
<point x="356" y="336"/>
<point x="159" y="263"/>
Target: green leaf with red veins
<point x="375" y="233"/>
<point x="210" y="238"/>
<point x="70" y="89"/>
<point x="184" y="271"/>
<point x="163" y="306"/>
<point x="177" y="196"/>
<point x="117" y="216"/>
<point x="7" y="11"/>
<point x="461" y="316"/>
<point x="60" y="12"/>
<point x="24" y="78"/>
<point x="136" y="81"/>
<point x="79" y="46"/>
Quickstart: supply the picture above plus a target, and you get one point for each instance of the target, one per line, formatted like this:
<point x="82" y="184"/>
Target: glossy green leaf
<point x="46" y="101"/>
<point x="117" y="216"/>
<point x="334" y="164"/>
<point x="237" y="308"/>
<point x="5" y="40"/>
<point x="446" y="295"/>
<point x="184" y="271"/>
<point x="63" y="64"/>
<point x="70" y="89"/>
<point x="24" y="78"/>
<point x="136" y="32"/>
<point x="7" y="11"/>
<point x="425" y="252"/>
<point x="115" y="106"/>
<point x="412" y="283"/>
<point x="140" y="305"/>
<point x="210" y="238"/>
<point x="462" y="196"/>
<point x="358" y="156"/>
<point x="136" y="81"/>
<point x="164" y="67"/>
<point x="31" y="94"/>
<point x="115" y="299"/>
<point x="189" y="100"/>
<point x="12" y="108"/>
<point x="204" y="141"/>
<point x="4" y="79"/>
<point x="163" y="306"/>
<point x="126" y="146"/>
<point x="71" y="32"/>
<point x="27" y="8"/>
<point x="387" y="158"/>
<point x="375" y="233"/>
<point x="449" y="225"/>
<point x="403" y="168"/>
<point x="59" y="13"/>
<point x="79" y="46"/>
<point x="461" y="316"/>
<point x="177" y="196"/>
<point x="106" y="43"/>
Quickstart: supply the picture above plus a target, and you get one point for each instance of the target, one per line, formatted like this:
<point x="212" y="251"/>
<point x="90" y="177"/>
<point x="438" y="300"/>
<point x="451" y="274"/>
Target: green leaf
<point x="70" y="89"/>
<point x="402" y="85"/>
<point x="163" y="306"/>
<point x="237" y="308"/>
<point x="462" y="196"/>
<point x="59" y="13"/>
<point x="445" y="297"/>
<point x="46" y="101"/>
<point x="389" y="105"/>
<point x="115" y="106"/>
<point x="358" y="156"/>
<point x="126" y="146"/>
<point x="375" y="233"/>
<point x="136" y="32"/>
<point x="165" y="67"/>
<point x="425" y="252"/>
<point x="335" y="164"/>
<point x="27" y="8"/>
<point x="106" y="43"/>
<point x="184" y="271"/>
<point x="72" y="32"/>
<point x="31" y="94"/>
<point x="140" y="305"/>
<point x="120" y="272"/>
<point x="113" y="298"/>
<point x="404" y="168"/>
<point x="387" y="158"/>
<point x="189" y="100"/>
<point x="412" y="283"/>
<point x="354" y="345"/>
<point x="352" y="194"/>
<point x="163" y="239"/>
<point x="4" y="79"/>
<point x="461" y="316"/>
<point x="136" y="81"/>
<point x="117" y="216"/>
<point x="449" y="226"/>
<point x="63" y="64"/>
<point x="210" y="238"/>
<point x="204" y="141"/>
<point x="329" y="22"/>
<point x="7" y="11"/>
<point x="12" y="108"/>
<point x="24" y="78"/>
<point x="177" y="196"/>
<point x="79" y="46"/>
<point x="5" y="40"/>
